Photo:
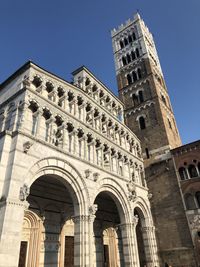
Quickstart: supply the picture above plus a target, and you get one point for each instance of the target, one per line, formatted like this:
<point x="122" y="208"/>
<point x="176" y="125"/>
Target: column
<point x="22" y="114"/>
<point x="38" y="127"/>
<point x="148" y="233"/>
<point x="129" y="244"/>
<point x="11" y="219"/>
<point x="84" y="239"/>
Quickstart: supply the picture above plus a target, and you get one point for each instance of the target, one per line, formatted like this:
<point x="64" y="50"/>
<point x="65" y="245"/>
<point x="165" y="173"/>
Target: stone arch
<point x="145" y="212"/>
<point x="31" y="232"/>
<point x="119" y="196"/>
<point x="67" y="174"/>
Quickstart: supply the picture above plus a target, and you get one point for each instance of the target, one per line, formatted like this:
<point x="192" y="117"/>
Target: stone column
<point x="22" y="114"/>
<point x="148" y="233"/>
<point x="84" y="239"/>
<point x="129" y="243"/>
<point x="38" y="127"/>
<point x="11" y="220"/>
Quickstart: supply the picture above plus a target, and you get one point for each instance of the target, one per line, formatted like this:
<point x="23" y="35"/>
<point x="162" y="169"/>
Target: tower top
<point x="128" y="23"/>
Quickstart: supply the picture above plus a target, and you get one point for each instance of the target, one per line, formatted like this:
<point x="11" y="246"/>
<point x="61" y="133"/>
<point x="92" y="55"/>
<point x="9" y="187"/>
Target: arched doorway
<point x="140" y="237"/>
<point x="48" y="229"/>
<point x="107" y="232"/>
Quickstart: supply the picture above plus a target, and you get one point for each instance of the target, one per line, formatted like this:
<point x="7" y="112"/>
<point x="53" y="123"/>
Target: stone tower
<point x="148" y="112"/>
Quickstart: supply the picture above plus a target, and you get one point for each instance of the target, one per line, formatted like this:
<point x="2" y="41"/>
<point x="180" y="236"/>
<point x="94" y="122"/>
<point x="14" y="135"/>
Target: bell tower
<point x="142" y="89"/>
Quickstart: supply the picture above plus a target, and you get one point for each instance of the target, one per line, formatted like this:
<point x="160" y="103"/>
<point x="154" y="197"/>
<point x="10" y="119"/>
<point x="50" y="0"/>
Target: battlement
<point x="128" y="23"/>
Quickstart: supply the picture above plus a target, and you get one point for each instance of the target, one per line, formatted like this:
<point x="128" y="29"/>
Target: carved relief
<point x="93" y="209"/>
<point x="131" y="191"/>
<point x="26" y="146"/>
<point x="24" y="192"/>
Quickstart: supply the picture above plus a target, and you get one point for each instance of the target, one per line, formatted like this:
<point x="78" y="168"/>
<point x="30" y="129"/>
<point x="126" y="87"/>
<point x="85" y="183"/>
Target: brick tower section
<point x="148" y="112"/>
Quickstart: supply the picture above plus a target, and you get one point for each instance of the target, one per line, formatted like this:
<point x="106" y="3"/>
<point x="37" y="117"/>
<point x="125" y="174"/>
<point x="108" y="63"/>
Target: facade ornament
<point x="93" y="209"/>
<point x="24" y="192"/>
<point x="88" y="173"/>
<point x="195" y="223"/>
<point x="135" y="219"/>
<point x="150" y="195"/>
<point x="131" y="191"/>
<point x="26" y="146"/>
<point x="26" y="82"/>
<point x="96" y="176"/>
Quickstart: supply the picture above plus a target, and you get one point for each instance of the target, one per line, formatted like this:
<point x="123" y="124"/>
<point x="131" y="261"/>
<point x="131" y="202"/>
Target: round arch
<point x="119" y="196"/>
<point x="144" y="211"/>
<point x="67" y="174"/>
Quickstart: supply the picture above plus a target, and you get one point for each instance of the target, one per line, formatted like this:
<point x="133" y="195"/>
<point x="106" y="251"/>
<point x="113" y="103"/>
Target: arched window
<point x="135" y="99"/>
<point x="134" y="76"/>
<point x="139" y="73"/>
<point x="133" y="36"/>
<point x="87" y="82"/>
<point x="133" y="55"/>
<point x="163" y="99"/>
<point x="189" y="202"/>
<point x="130" y="39"/>
<point x="129" y="79"/>
<point x="121" y="44"/>
<point x="147" y="153"/>
<point x="169" y="123"/>
<point x="140" y="96"/>
<point x="142" y="123"/>
<point x="197" y="195"/>
<point x="128" y="58"/>
<point x="137" y="52"/>
<point x="192" y="171"/>
<point x="125" y="41"/>
<point x="124" y="61"/>
<point x="183" y="173"/>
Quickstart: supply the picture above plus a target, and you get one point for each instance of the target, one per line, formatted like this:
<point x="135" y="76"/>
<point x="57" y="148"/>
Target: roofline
<point x="16" y="73"/>
<point x="28" y="64"/>
<point x="83" y="67"/>
<point x="177" y="149"/>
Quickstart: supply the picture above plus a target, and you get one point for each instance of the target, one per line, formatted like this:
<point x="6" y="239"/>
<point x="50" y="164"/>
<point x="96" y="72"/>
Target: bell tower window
<point x="142" y="123"/>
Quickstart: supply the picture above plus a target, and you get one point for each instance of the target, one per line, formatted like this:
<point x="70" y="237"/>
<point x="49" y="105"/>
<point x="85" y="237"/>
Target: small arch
<point x="134" y="75"/>
<point x="125" y="41"/>
<point x="141" y="96"/>
<point x="87" y="82"/>
<point x="137" y="52"/>
<point x="133" y="36"/>
<point x="129" y="79"/>
<point x="121" y="43"/>
<point x="130" y="39"/>
<point x="139" y="73"/>
<point x="183" y="173"/>
<point x="192" y="171"/>
<point x="133" y="55"/>
<point x="128" y="58"/>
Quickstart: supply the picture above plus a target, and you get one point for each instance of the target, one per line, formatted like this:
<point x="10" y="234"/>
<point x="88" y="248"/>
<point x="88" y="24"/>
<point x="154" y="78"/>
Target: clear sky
<point x="61" y="35"/>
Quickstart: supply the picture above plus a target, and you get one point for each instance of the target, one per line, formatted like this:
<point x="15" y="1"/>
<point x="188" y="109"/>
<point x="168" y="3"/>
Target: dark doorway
<point x="106" y="256"/>
<point x="69" y="251"/>
<point x="22" y="255"/>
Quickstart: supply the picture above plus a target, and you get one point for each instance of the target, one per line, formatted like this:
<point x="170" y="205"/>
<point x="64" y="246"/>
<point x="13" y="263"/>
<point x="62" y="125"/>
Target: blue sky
<point x="61" y="35"/>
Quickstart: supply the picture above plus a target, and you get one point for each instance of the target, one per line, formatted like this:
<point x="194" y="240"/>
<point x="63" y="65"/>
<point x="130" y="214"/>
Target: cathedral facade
<point x="73" y="189"/>
<point x="90" y="179"/>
